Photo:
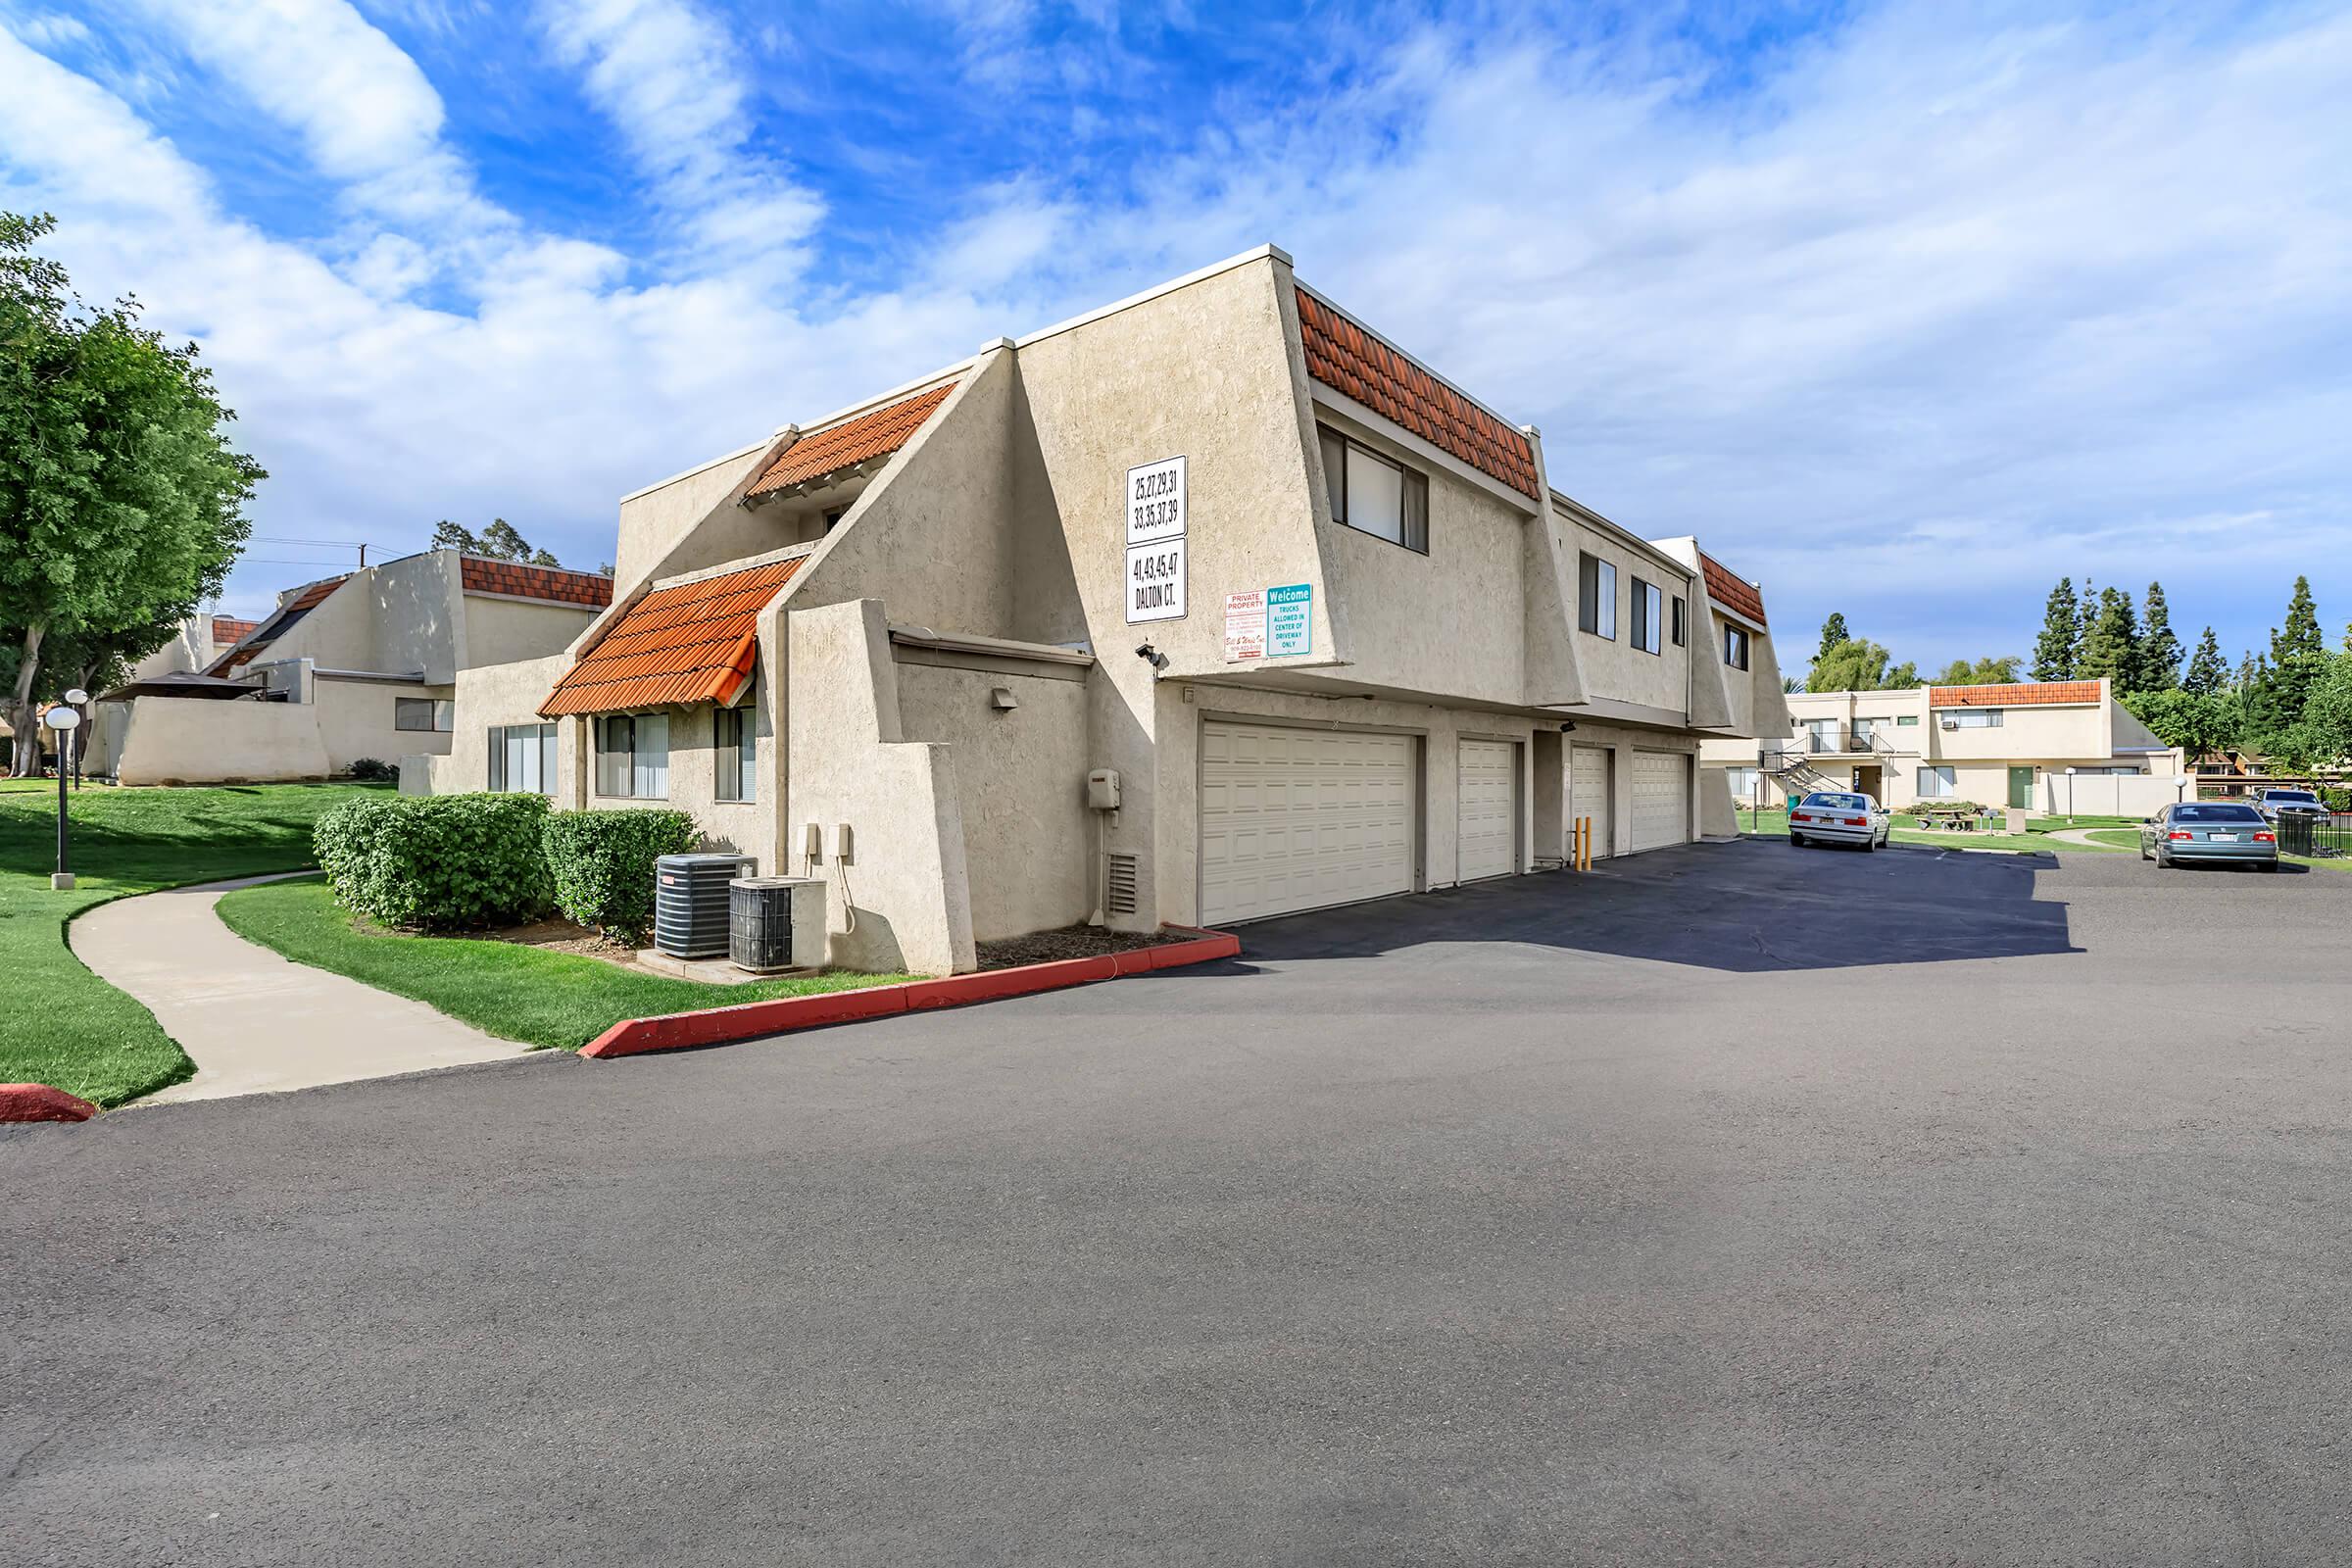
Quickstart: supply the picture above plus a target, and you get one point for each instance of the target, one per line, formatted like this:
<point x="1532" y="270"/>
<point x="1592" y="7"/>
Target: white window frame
<point x="1345" y="456"/>
<point x="735" y="759"/>
<point x="440" y="716"/>
<point x="1976" y="718"/>
<point x="1736" y="652"/>
<point x="538" y="753"/>
<point x="641" y="770"/>
<point x="1649" y="604"/>
<point x="1595" y="596"/>
<point x="1945" y="779"/>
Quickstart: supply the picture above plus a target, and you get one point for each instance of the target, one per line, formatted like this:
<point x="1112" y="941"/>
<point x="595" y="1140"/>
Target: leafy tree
<point x="2112" y="649"/>
<point x="2061" y="639"/>
<point x="1856" y="664"/>
<point x="1902" y="677"/>
<point x="2196" y="723"/>
<point x="1993" y="670"/>
<point x="501" y="541"/>
<point x="2324" y="737"/>
<point x="2207" y="674"/>
<point x="120" y="498"/>
<point x="1833" y="632"/>
<point x="2159" y="650"/>
<point x="2298" y="657"/>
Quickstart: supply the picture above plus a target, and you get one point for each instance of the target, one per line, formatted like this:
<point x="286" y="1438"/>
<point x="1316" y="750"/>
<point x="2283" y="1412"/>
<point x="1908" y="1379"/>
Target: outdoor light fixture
<point x="1152" y="657"/>
<point x="81" y="700"/>
<point x="64" y="721"/>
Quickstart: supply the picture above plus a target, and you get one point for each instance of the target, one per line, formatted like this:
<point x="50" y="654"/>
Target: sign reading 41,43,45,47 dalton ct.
<point x="1155" y="503"/>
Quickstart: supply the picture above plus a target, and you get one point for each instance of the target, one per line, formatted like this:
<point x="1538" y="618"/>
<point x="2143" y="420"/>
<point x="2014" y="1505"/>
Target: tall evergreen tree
<point x="2087" y="615"/>
<point x="2056" y="648"/>
<point x="2159" y="650"/>
<point x="2208" y="675"/>
<point x="2112" y="649"/>
<point x="1833" y="632"/>
<point x="2299" y="654"/>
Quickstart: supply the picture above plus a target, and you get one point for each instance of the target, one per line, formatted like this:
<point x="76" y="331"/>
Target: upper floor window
<point x="1975" y="719"/>
<point x="522" y="759"/>
<point x="735" y="751"/>
<point x="632" y="755"/>
<point x="1595" y="596"/>
<point x="1681" y="622"/>
<point x="1373" y="495"/>
<point x="1735" y="646"/>
<point x="1648" y="612"/>
<point x="437" y="714"/>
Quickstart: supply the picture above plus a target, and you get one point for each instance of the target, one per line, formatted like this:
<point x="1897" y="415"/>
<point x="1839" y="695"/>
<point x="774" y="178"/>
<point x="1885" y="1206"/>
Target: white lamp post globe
<point x="61" y="719"/>
<point x="78" y="697"/>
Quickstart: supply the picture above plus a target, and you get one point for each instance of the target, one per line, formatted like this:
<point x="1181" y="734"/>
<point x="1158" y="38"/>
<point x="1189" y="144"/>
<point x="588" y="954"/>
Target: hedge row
<point x="465" y="862"/>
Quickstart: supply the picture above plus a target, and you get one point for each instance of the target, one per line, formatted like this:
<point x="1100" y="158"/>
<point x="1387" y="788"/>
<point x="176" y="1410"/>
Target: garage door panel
<point x="1589" y="794"/>
<point x="1661" y="799"/>
<point x="1487" y="810"/>
<point x="1295" y="819"/>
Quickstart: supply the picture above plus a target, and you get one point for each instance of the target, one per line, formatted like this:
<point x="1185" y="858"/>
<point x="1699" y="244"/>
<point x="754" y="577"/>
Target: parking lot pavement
<point x="1731" y="1204"/>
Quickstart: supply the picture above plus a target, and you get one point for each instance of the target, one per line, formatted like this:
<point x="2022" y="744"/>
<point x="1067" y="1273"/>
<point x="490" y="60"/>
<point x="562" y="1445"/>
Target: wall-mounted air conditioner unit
<point x="1952" y="723"/>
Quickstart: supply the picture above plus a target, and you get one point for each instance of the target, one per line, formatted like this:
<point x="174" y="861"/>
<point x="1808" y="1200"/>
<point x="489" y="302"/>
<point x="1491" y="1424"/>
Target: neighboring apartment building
<point x="2047" y="745"/>
<point x="201" y="639"/>
<point x="1207" y="605"/>
<point x="348" y="667"/>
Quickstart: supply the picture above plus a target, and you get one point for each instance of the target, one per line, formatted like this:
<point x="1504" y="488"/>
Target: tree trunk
<point x="21" y="716"/>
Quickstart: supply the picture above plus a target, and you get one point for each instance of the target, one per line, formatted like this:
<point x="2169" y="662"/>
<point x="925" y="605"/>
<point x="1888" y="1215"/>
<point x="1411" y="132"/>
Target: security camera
<point x="1152" y="657"/>
<point x="1568" y="726"/>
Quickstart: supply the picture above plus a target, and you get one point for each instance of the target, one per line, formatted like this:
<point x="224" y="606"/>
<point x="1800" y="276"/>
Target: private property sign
<point x="1244" y="625"/>
<point x="1155" y="502"/>
<point x="1269" y="623"/>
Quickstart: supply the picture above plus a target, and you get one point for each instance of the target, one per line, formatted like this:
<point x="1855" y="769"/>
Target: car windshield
<point x="2215" y="813"/>
<point x="1839" y="802"/>
<point x="2304" y="796"/>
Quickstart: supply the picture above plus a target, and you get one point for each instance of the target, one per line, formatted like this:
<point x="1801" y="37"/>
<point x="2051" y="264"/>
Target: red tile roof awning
<point x="1345" y="358"/>
<point x="555" y="584"/>
<point x="227" y="629"/>
<point x="850" y="442"/>
<point x="2025" y="693"/>
<point x="695" y="642"/>
<point x="1731" y="590"/>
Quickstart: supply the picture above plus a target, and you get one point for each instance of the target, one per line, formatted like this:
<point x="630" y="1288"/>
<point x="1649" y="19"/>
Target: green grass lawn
<point x="63" y="1025"/>
<point x="541" y="998"/>
<point x="1774" y="823"/>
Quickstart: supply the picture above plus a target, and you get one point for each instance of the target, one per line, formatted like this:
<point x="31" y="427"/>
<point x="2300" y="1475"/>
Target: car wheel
<point x="2270" y="865"/>
<point x="1796" y="841"/>
<point x="1869" y="844"/>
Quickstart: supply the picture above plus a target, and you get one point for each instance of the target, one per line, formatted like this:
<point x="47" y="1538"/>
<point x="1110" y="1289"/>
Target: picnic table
<point x="1951" y="819"/>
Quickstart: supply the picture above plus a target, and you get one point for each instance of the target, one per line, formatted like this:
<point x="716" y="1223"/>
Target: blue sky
<point x="1905" y="309"/>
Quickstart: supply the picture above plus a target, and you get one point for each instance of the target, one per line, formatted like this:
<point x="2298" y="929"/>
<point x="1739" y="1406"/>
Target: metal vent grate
<point x="1121" y="898"/>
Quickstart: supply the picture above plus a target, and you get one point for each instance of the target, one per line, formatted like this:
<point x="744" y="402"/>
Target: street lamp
<point x="81" y="700"/>
<point x="64" y="721"/>
<point x="2070" y="797"/>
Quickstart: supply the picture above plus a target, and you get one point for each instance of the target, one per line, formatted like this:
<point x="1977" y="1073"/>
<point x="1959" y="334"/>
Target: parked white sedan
<point x="1835" y="816"/>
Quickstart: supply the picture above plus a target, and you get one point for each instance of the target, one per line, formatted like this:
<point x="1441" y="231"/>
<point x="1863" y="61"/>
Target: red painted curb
<point x="40" y="1102"/>
<point x="717" y="1026"/>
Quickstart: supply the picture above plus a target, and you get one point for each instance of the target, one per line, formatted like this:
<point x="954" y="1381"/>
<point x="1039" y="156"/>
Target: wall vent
<point x="1119" y="898"/>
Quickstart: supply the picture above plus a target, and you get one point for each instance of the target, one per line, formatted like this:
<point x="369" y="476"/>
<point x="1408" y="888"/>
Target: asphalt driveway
<point x="1731" y="1204"/>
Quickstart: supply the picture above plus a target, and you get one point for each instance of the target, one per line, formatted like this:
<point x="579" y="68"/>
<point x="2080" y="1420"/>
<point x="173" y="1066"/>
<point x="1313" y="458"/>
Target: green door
<point x="2021" y="786"/>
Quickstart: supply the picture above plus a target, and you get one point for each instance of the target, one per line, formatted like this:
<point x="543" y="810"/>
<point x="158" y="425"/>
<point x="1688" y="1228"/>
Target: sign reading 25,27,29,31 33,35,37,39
<point x="1155" y="503"/>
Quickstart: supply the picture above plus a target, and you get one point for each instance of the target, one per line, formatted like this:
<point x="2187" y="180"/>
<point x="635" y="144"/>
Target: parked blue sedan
<point x="2199" y="831"/>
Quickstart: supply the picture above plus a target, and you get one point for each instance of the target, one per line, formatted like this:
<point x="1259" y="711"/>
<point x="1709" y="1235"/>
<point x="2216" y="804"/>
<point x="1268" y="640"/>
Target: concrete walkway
<point x="253" y="1022"/>
<point x="2082" y="836"/>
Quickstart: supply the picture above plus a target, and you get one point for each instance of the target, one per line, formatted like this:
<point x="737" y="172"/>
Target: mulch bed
<point x="1070" y="942"/>
<point x="561" y="936"/>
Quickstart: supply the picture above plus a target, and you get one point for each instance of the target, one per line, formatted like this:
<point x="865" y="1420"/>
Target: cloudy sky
<point x="1906" y="309"/>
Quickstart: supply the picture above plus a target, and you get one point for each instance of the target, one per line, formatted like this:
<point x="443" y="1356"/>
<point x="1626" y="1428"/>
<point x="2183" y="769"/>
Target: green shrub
<point x="374" y="770"/>
<point x="603" y="866"/>
<point x="2337" y="800"/>
<point x="437" y="863"/>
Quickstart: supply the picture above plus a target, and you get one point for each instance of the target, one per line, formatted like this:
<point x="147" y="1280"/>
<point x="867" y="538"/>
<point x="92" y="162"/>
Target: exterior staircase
<point x="1788" y="763"/>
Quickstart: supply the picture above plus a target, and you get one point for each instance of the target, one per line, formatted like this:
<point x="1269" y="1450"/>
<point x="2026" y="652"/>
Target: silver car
<point x="1838" y="817"/>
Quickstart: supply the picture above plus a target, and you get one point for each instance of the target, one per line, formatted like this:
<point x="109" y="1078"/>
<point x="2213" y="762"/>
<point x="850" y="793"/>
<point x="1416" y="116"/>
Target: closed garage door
<point x="1589" y="796"/>
<point x="1299" y="818"/>
<point x="1661" y="799"/>
<point x="1487" y="810"/>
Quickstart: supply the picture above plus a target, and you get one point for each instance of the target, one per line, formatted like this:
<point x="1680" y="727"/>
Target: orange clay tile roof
<point x="1345" y="358"/>
<point x="277" y="621"/>
<point x="691" y="643"/>
<point x="555" y="584"/>
<point x="849" y="443"/>
<point x="227" y="629"/>
<point x="2029" y="694"/>
<point x="1731" y="591"/>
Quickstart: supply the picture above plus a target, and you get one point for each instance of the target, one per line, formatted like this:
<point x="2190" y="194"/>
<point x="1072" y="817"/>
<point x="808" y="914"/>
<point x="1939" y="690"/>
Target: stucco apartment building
<point x="1207" y="605"/>
<point x="201" y="639"/>
<point x="2048" y="746"/>
<point x="359" y="666"/>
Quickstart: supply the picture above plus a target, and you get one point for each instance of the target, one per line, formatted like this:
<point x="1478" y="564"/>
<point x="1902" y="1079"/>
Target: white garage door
<point x="1661" y="799"/>
<point x="1299" y="818"/>
<point x="1589" y="796"/>
<point x="1487" y="810"/>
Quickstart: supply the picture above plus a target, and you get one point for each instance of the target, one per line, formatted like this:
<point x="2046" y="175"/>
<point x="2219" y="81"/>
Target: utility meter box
<point x="1102" y="789"/>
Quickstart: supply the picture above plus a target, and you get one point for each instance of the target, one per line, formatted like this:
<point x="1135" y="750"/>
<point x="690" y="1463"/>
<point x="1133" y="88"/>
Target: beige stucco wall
<point x="498" y="695"/>
<point x="1614" y="667"/>
<point x="171" y="740"/>
<point x="502" y="631"/>
<point x="413" y="609"/>
<point x="355" y="720"/>
<point x="1021" y="778"/>
<point x="905" y="901"/>
<point x="677" y="526"/>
